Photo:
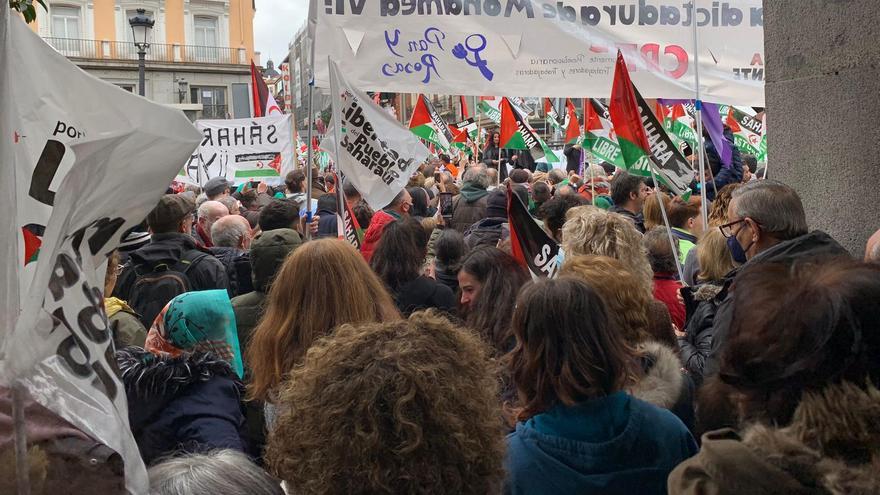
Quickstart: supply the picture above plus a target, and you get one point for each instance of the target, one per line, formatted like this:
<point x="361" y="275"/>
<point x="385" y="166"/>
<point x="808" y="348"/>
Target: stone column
<point x="823" y="111"/>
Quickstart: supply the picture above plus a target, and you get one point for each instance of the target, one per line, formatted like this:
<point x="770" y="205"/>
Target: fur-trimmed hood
<point x="832" y="446"/>
<point x="707" y="291"/>
<point x="150" y="376"/>
<point x="663" y="380"/>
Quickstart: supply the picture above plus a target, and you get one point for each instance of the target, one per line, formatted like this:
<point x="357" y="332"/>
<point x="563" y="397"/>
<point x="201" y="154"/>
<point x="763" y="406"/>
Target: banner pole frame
<point x="698" y="108"/>
<point x="672" y="243"/>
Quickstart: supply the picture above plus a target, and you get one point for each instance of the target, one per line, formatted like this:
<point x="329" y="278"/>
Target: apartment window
<point x="213" y="100"/>
<point x="65" y="22"/>
<point x="127" y="87"/>
<point x="205" y="31"/>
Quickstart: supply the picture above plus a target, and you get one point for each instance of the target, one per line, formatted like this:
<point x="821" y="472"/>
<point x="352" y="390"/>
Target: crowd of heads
<point x="286" y="354"/>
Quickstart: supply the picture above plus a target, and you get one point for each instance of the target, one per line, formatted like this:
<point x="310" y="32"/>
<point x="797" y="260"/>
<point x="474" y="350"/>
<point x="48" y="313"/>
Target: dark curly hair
<point x="401" y="407"/>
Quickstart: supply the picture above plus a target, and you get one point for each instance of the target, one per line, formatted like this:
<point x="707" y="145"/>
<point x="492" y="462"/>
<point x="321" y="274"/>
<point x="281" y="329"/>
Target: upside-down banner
<point x="550" y="48"/>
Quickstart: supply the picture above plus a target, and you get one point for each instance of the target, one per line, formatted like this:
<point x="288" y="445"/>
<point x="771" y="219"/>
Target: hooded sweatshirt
<point x="469" y="207"/>
<point x="611" y="445"/>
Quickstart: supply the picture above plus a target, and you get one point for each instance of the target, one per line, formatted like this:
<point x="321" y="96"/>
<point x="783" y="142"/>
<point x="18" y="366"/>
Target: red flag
<point x="509" y="126"/>
<point x="259" y="91"/>
<point x="573" y="131"/>
<point x="548" y="107"/>
<point x="677" y="112"/>
<point x="591" y="118"/>
<point x="464" y="108"/>
<point x="731" y="121"/>
<point x="421" y="115"/>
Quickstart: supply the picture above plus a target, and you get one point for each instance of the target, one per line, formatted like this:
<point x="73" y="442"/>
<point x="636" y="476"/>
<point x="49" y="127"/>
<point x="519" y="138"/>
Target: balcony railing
<point x="158" y="52"/>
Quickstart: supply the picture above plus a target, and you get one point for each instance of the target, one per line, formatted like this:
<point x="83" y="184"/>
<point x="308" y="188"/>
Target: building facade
<point x="198" y="60"/>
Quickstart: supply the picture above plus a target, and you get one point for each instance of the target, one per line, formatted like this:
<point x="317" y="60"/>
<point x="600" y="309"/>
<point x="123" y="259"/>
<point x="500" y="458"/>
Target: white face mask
<point x="560" y="258"/>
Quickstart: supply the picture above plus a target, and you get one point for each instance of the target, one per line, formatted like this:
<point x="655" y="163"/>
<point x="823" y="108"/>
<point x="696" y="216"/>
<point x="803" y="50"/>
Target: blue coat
<point x="191" y="403"/>
<point x="723" y="175"/>
<point x="611" y="445"/>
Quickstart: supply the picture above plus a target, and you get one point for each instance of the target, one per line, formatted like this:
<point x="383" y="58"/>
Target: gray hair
<point x="476" y="175"/>
<point x="229" y="231"/>
<point x="222" y="471"/>
<point x="775" y="206"/>
<point x="660" y="255"/>
<point x="229" y="202"/>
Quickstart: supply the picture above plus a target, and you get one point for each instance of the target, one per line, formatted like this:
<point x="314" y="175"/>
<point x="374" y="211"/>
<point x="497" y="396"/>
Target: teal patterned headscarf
<point x="198" y="321"/>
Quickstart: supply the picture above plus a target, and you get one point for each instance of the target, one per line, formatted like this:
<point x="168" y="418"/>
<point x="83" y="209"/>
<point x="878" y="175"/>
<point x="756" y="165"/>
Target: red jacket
<point x="374" y="233"/>
<point x="666" y="291"/>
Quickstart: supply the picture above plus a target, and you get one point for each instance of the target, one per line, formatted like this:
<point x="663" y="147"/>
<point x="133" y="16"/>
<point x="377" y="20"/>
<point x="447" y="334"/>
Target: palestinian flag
<point x="551" y="115"/>
<point x="516" y="133"/>
<point x="529" y="244"/>
<point x="346" y="224"/>
<point x="33" y="240"/>
<point x="599" y="138"/>
<point x="572" y="127"/>
<point x="643" y="142"/>
<point x="427" y="124"/>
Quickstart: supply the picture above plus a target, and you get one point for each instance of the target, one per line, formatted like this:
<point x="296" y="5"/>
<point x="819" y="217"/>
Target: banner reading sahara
<point x="560" y="48"/>
<point x="374" y="151"/>
<point x="241" y="150"/>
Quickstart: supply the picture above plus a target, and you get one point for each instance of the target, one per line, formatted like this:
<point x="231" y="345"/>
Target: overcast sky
<point x="275" y="24"/>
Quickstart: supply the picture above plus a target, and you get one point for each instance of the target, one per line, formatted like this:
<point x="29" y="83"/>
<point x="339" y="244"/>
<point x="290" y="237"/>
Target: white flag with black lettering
<point x="375" y="152"/>
<point x="83" y="161"/>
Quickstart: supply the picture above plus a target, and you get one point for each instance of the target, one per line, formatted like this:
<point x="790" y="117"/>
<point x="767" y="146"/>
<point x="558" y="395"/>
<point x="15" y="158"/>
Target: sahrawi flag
<point x="599" y="137"/>
<point x="427" y="124"/>
<point x="529" y="244"/>
<point x="374" y="151"/>
<point x="643" y="142"/>
<point x="516" y="133"/>
<point x="81" y="170"/>
<point x="463" y="132"/>
<point x="346" y="224"/>
<point x="747" y="130"/>
<point x="264" y="102"/>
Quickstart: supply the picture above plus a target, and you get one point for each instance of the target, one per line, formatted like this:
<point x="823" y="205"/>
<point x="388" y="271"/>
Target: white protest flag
<point x="374" y="151"/>
<point x="83" y="161"/>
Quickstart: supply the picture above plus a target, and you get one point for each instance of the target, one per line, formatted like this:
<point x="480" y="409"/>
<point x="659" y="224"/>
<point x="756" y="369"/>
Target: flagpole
<point x="672" y="242"/>
<point x="19" y="428"/>
<point x="308" y="229"/>
<point x="698" y="105"/>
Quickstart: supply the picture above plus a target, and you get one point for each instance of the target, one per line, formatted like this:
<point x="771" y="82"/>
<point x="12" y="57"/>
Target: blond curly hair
<point x="590" y="230"/>
<point x="401" y="407"/>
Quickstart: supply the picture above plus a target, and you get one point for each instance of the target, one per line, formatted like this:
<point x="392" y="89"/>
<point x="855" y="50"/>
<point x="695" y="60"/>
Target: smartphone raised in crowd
<point x="446" y="205"/>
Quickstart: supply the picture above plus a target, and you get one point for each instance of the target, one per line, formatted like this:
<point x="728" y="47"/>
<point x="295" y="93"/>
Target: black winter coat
<point x="696" y="345"/>
<point x="191" y="403"/>
<point x="207" y="274"/>
<point x="815" y="245"/>
<point x="238" y="269"/>
<point x="486" y="232"/>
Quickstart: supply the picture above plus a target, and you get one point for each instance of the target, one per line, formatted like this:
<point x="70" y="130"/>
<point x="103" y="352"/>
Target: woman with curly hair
<point x="641" y="323"/>
<point x="323" y="284"/>
<point x="590" y="230"/>
<point x="398" y="407"/>
<point x="579" y="431"/>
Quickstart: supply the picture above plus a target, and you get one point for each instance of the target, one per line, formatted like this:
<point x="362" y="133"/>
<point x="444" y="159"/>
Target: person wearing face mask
<point x="766" y="223"/>
<point x="398" y="208"/>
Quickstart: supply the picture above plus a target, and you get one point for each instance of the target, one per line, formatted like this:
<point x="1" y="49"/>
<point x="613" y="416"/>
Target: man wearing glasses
<point x="766" y="224"/>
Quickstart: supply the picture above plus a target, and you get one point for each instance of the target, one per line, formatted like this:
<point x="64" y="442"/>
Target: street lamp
<point x="181" y="89"/>
<point x="141" y="25"/>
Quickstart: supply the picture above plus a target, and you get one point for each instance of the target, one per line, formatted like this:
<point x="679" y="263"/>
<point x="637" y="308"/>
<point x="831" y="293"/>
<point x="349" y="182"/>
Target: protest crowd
<point x="490" y="315"/>
<point x="256" y="347"/>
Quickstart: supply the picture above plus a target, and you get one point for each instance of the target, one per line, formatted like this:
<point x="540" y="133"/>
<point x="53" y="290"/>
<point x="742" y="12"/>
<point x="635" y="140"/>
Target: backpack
<point x="155" y="286"/>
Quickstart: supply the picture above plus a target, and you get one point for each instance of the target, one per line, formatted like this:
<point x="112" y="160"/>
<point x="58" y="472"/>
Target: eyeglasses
<point x="727" y="228"/>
